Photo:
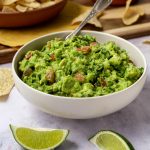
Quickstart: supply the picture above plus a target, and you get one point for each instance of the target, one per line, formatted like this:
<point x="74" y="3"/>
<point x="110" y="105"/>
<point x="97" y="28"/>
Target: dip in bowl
<point x="75" y="93"/>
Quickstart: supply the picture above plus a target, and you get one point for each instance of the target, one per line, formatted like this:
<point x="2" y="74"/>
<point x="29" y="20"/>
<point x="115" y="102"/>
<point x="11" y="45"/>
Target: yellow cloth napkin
<point x="18" y="37"/>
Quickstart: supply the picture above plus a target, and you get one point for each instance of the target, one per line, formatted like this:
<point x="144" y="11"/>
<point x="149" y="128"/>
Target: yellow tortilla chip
<point x="6" y="81"/>
<point x="7" y="2"/>
<point x="47" y="4"/>
<point x="131" y="15"/>
<point x="31" y="5"/>
<point x="21" y="8"/>
<point x="24" y="5"/>
<point x="146" y="42"/>
<point x="8" y="9"/>
<point x="28" y="1"/>
<point x="42" y="1"/>
<point x="30" y="9"/>
<point x="94" y="21"/>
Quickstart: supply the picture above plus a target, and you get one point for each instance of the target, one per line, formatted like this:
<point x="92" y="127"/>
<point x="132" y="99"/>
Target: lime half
<point x="39" y="138"/>
<point x="109" y="140"/>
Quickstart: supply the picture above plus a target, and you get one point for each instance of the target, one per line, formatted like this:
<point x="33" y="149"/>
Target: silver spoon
<point x="98" y="6"/>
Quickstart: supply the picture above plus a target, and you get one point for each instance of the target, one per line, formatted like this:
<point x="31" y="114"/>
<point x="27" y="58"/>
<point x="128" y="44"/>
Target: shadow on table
<point x="3" y="98"/>
<point x="68" y="145"/>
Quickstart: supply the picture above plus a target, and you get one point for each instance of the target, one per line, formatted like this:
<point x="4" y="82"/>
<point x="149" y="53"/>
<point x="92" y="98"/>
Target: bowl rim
<point x="81" y="98"/>
<point x="34" y="10"/>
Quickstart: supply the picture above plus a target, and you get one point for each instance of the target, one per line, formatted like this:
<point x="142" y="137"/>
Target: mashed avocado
<point x="79" y="67"/>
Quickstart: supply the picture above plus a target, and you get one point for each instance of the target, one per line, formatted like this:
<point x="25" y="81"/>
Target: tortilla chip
<point x="31" y="5"/>
<point x="8" y="9"/>
<point x="30" y="9"/>
<point x="131" y="15"/>
<point x="47" y="4"/>
<point x="6" y="81"/>
<point x="28" y="1"/>
<point x="7" y="2"/>
<point x="94" y="21"/>
<point x="21" y="8"/>
<point x="146" y="42"/>
<point x="24" y="5"/>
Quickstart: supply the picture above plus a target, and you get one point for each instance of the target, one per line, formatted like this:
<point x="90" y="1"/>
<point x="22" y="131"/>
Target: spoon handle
<point x="98" y="6"/>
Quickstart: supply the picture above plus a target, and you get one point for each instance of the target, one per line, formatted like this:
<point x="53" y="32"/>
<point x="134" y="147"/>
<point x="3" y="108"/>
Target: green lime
<point x="110" y="140"/>
<point x="39" y="138"/>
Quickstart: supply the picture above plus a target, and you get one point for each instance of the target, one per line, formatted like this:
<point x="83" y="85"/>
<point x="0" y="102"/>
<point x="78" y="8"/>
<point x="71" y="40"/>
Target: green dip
<point x="79" y="67"/>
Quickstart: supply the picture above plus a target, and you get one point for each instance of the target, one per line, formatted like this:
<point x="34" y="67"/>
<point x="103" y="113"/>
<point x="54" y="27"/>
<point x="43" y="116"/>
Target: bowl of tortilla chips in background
<point x="18" y="13"/>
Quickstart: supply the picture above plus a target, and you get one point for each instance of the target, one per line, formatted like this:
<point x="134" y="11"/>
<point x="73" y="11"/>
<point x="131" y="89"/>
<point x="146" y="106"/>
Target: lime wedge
<point x="110" y="140"/>
<point x="39" y="138"/>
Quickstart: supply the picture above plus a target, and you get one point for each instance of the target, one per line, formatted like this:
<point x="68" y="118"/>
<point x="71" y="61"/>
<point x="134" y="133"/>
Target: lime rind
<point x="65" y="135"/>
<point x="127" y="141"/>
<point x="122" y="139"/>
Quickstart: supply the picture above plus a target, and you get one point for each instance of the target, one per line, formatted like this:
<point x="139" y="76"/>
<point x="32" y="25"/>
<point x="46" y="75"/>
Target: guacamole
<point x="79" y="67"/>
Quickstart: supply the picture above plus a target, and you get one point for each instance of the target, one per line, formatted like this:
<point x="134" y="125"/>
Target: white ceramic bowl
<point x="80" y="108"/>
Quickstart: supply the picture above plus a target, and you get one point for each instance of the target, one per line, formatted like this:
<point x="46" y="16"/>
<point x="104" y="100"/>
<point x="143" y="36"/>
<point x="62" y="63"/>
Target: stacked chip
<point x="9" y="6"/>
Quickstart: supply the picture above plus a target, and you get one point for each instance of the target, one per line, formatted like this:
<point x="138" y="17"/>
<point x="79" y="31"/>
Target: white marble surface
<point x="132" y="121"/>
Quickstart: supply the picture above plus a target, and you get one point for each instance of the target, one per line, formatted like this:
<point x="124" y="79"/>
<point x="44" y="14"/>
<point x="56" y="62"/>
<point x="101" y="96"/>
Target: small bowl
<point x="80" y="108"/>
<point x="29" y="18"/>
